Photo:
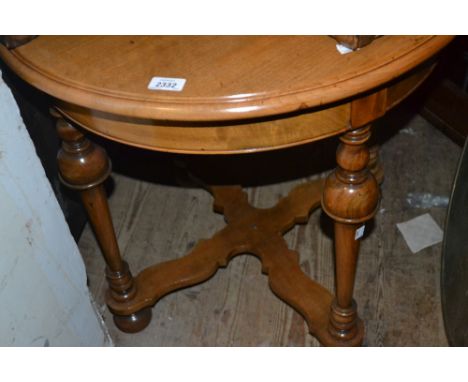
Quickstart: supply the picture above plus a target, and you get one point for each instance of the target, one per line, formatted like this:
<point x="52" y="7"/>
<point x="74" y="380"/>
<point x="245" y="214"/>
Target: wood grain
<point x="229" y="138"/>
<point x="214" y="138"/>
<point x="248" y="80"/>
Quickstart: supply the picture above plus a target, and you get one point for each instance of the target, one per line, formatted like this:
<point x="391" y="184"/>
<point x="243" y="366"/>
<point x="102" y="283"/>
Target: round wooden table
<point x="224" y="95"/>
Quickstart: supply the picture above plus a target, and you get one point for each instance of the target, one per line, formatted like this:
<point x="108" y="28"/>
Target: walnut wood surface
<point x="214" y="138"/>
<point x="229" y="137"/>
<point x="252" y="76"/>
<point x="86" y="78"/>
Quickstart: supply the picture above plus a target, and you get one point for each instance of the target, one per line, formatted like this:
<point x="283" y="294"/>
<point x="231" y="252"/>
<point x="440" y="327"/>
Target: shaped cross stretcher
<point x="249" y="230"/>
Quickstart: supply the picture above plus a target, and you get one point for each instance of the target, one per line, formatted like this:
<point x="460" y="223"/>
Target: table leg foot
<point x="345" y="327"/>
<point x="134" y="322"/>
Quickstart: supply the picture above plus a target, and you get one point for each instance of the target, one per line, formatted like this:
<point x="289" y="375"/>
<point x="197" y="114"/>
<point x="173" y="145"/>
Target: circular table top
<point x="227" y="77"/>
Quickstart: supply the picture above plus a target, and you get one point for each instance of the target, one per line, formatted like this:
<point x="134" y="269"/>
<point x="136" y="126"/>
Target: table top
<point x="227" y="77"/>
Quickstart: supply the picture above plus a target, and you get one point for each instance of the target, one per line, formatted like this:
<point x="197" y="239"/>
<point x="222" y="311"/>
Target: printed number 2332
<point x="166" y="85"/>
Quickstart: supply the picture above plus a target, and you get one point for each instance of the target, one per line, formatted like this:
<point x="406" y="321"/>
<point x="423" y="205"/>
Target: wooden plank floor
<point x="397" y="292"/>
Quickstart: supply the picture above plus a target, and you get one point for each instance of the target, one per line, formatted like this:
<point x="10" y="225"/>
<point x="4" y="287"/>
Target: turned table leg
<point x="350" y="198"/>
<point x="84" y="166"/>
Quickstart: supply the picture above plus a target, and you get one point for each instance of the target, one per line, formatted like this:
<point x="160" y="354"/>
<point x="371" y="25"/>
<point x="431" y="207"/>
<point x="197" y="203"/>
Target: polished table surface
<point x="242" y="94"/>
<point x="227" y="79"/>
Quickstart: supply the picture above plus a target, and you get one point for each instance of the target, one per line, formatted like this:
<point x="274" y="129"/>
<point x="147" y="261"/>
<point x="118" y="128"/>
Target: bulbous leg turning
<point x="84" y="166"/>
<point x="350" y="198"/>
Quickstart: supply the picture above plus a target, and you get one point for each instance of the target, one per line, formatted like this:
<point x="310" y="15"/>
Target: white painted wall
<point x="44" y="300"/>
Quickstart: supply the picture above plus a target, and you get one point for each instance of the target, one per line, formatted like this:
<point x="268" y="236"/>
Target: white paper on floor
<point x="420" y="232"/>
